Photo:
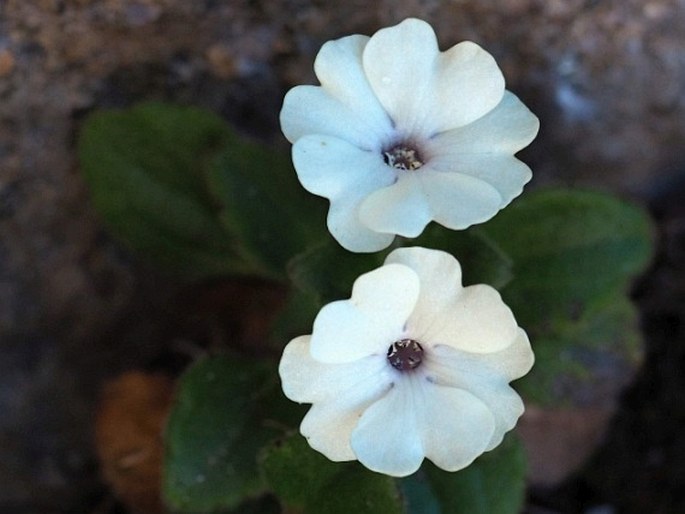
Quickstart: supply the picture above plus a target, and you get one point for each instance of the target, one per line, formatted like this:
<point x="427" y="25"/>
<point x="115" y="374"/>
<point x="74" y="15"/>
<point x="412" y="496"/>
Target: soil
<point x="606" y="77"/>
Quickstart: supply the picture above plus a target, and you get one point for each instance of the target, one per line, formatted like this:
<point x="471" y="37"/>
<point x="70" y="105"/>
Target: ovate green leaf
<point x="145" y="169"/>
<point x="493" y="484"/>
<point x="308" y="483"/>
<point x="227" y="408"/>
<point x="575" y="254"/>
<point x="569" y="250"/>
<point x="482" y="260"/>
<point x="327" y="271"/>
<point x="264" y="206"/>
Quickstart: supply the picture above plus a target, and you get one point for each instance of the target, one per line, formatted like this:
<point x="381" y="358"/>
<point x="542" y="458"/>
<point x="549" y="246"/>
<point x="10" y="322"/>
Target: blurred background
<point x="606" y="78"/>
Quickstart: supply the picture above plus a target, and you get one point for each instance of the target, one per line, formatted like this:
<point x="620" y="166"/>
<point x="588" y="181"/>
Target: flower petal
<point x="440" y="277"/>
<point x="485" y="377"/>
<point x="401" y="208"/>
<point x="425" y="91"/>
<point x="506" y="129"/>
<point x="467" y="85"/>
<point x="476" y="320"/>
<point x="472" y="319"/>
<point x="458" y="201"/>
<point x="344" y="106"/>
<point x="337" y="170"/>
<point x="454" y="200"/>
<point x="331" y="167"/>
<point x="339" y="68"/>
<point x="514" y="361"/>
<point x="386" y="438"/>
<point x="484" y="149"/>
<point x="371" y="320"/>
<point x="455" y="426"/>
<point x="399" y="63"/>
<point x="345" y="226"/>
<point x="504" y="173"/>
<point x="306" y="380"/>
<point x="328" y="425"/>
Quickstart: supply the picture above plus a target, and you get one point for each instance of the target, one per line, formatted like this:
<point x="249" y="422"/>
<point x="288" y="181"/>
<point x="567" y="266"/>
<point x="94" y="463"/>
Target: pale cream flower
<point x="413" y="365"/>
<point x="399" y="134"/>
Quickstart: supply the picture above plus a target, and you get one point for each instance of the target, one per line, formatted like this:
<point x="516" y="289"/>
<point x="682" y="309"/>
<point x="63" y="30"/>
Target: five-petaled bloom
<point x="413" y="365"/>
<point x="400" y="134"/>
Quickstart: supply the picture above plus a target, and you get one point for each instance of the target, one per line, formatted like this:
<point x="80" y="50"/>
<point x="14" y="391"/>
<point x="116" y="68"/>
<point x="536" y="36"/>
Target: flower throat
<point x="402" y="157"/>
<point x="405" y="355"/>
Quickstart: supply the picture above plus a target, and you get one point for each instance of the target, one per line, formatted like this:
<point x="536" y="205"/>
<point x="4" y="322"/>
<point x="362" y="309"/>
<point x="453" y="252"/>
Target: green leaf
<point x="418" y="494"/>
<point x="144" y="167"/>
<point x="264" y="206"/>
<point x="328" y="271"/>
<point x="575" y="254"/>
<point x="264" y="505"/>
<point x="308" y="483"/>
<point x="493" y="484"/>
<point x="227" y="408"/>
<point x="590" y="357"/>
<point x="296" y="317"/>
<point x="481" y="259"/>
<point x="569" y="249"/>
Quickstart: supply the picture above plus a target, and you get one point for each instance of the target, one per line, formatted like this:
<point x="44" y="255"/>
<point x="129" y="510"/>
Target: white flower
<point x="400" y="134"/>
<point x="414" y="365"/>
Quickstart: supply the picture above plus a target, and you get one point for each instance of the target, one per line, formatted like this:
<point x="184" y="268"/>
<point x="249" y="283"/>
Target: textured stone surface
<point x="43" y="439"/>
<point x="606" y="77"/>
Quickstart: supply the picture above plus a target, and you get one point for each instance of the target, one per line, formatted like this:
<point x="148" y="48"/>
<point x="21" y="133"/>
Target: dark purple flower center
<point x="403" y="157"/>
<point x="405" y="355"/>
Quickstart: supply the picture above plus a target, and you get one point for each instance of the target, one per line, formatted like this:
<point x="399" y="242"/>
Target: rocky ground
<point x="606" y="77"/>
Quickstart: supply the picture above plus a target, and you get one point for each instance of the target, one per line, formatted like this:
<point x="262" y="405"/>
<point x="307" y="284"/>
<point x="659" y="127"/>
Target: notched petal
<point x="478" y="321"/>
<point x="455" y="426"/>
<point x="467" y="84"/>
<point x="335" y="169"/>
<point x="485" y="376"/>
<point x="328" y="425"/>
<point x="401" y="208"/>
<point x="331" y="167"/>
<point x="440" y="277"/>
<point x="309" y="110"/>
<point x="506" y="129"/>
<point x="387" y="438"/>
<point x="399" y="63"/>
<point x="426" y="92"/>
<point x="306" y="380"/>
<point x="458" y="201"/>
<point x="372" y="319"/>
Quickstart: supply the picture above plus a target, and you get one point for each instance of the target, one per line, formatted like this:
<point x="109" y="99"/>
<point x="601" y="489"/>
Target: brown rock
<point x="128" y="436"/>
<point x="6" y="62"/>
<point x="559" y="441"/>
